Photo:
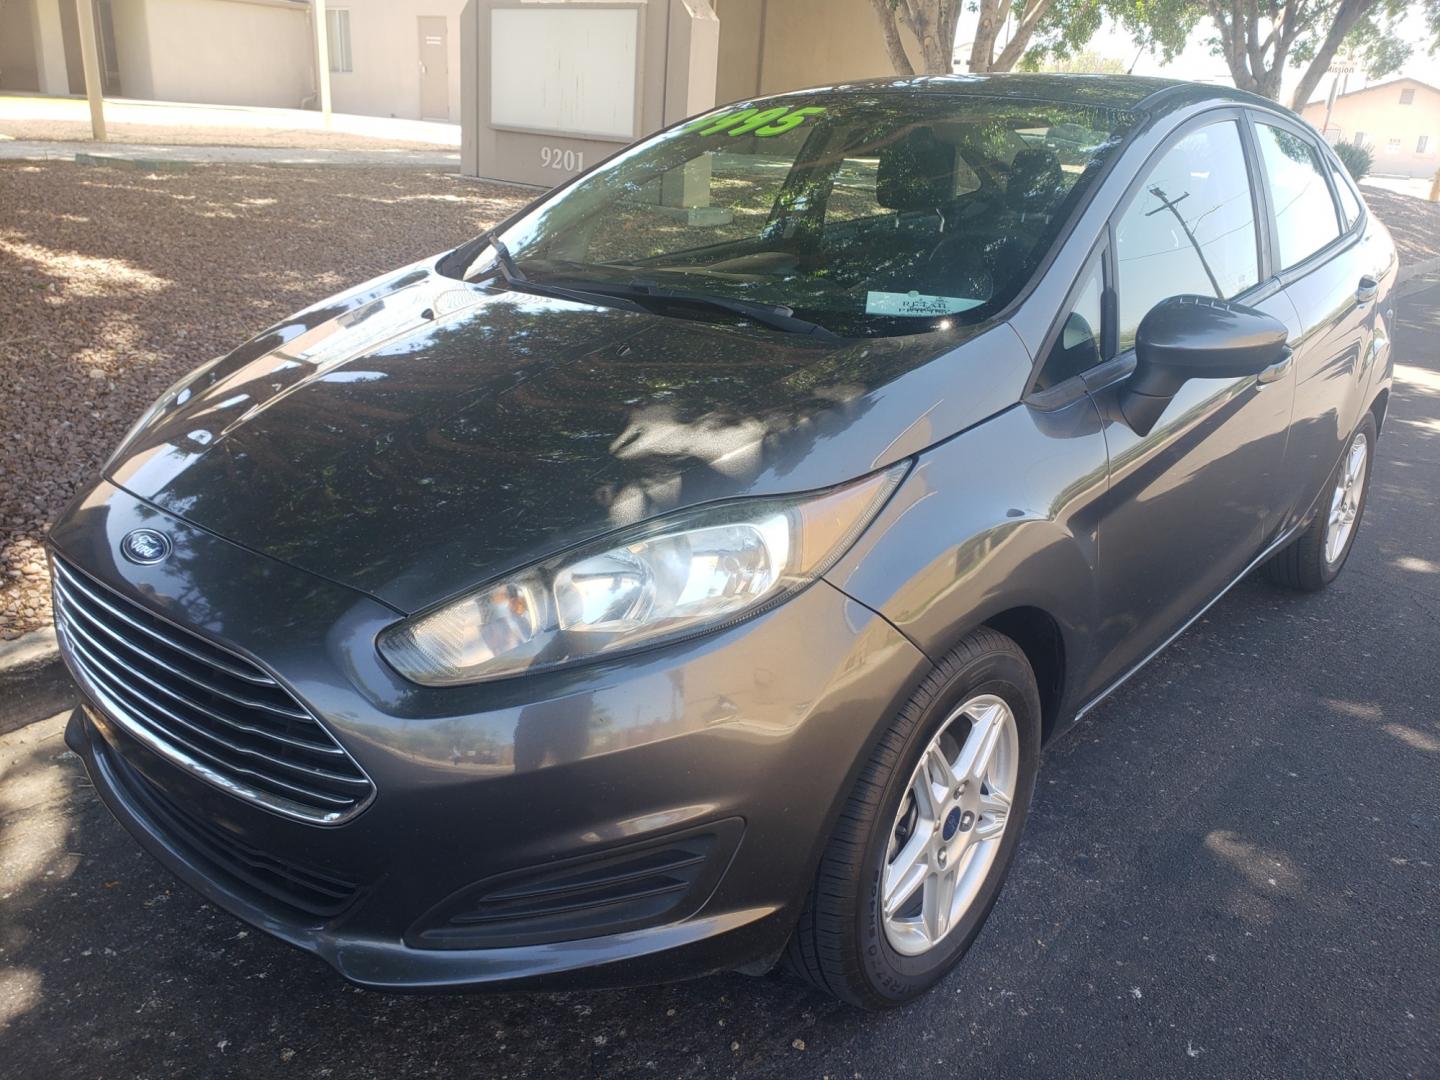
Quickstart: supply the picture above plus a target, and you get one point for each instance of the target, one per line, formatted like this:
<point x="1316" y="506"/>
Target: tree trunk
<point x="899" y="60"/>
<point x="987" y="29"/>
<point x="1024" y="31"/>
<point x="1349" y="15"/>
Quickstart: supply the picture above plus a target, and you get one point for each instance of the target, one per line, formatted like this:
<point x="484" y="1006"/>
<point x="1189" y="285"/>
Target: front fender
<point x="1000" y="517"/>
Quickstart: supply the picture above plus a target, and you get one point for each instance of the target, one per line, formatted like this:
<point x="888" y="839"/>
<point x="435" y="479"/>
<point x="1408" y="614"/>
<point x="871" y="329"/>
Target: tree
<point x="931" y="24"/>
<point x="1058" y="27"/>
<point x="1259" y="38"/>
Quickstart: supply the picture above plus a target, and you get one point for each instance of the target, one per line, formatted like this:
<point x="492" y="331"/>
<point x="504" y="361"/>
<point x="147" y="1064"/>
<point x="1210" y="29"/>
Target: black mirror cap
<point x="1196" y="337"/>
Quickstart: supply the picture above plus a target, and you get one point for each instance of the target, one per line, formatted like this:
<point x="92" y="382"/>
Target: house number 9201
<point x="555" y="157"/>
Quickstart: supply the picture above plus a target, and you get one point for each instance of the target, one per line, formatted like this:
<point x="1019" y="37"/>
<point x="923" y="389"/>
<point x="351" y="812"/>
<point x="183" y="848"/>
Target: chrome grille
<point x="203" y="708"/>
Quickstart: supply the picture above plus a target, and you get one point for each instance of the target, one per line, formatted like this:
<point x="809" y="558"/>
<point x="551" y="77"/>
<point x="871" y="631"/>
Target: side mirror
<point x="1196" y="337"/>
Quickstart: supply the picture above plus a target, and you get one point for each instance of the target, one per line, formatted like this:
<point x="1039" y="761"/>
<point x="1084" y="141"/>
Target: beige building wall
<point x="218" y="52"/>
<point x="18" y="70"/>
<point x="1391" y="130"/>
<point x="385" y="57"/>
<point x="769" y="46"/>
<point x="32" y="46"/>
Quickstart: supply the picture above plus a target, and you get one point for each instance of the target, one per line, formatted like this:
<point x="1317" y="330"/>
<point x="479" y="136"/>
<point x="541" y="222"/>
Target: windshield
<point x="887" y="213"/>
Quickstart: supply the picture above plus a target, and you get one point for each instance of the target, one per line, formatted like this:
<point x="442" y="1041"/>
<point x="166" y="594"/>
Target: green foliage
<point x="1289" y="34"/>
<point x="1161" y="27"/>
<point x="1358" y="160"/>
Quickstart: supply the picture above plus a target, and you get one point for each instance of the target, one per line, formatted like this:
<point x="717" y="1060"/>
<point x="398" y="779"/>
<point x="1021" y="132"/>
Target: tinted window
<point x="1077" y="348"/>
<point x="1304" y="211"/>
<point x="1189" y="229"/>
<point x="868" y="214"/>
<point x="1349" y="204"/>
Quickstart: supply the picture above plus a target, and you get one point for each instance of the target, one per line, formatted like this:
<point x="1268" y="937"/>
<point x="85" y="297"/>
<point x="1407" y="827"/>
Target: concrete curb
<point x="34" y="683"/>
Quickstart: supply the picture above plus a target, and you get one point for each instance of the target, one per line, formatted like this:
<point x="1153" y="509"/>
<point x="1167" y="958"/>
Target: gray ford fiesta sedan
<point x="687" y="574"/>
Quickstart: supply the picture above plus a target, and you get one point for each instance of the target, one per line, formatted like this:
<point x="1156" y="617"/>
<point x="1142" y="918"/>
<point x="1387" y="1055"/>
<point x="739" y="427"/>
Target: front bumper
<point x="734" y="750"/>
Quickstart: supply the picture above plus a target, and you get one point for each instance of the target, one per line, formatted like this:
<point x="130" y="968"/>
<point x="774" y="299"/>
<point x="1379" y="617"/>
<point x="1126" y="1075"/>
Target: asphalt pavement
<point x="1232" y="869"/>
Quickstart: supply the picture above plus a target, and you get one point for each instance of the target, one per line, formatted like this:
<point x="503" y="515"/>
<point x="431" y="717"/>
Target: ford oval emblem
<point x="145" y="546"/>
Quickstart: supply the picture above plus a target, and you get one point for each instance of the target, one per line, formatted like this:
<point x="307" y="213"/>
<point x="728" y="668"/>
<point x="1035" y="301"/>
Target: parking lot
<point x="1231" y="869"/>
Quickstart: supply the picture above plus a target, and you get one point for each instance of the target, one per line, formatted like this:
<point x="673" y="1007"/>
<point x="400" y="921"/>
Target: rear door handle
<point x="1275" y="372"/>
<point x="1367" y="290"/>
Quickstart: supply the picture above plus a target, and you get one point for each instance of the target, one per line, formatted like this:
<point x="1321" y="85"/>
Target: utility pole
<point x="1172" y="205"/>
<point x="1340" y="68"/>
<point x="90" y="60"/>
<point x="322" y="58"/>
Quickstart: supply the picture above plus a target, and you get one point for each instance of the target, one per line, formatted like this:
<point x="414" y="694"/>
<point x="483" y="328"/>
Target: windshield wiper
<point x="516" y="278"/>
<point x="776" y="316"/>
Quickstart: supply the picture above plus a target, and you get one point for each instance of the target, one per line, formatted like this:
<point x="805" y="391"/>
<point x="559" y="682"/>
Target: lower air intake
<point x="625" y="888"/>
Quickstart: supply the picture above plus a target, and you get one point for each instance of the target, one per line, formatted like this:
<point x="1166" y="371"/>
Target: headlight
<point x="688" y="574"/>
<point x="164" y="401"/>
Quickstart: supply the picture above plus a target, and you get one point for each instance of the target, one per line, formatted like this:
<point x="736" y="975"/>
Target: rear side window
<point x="1349" y="204"/>
<point x="1189" y="229"/>
<point x="1305" y="214"/>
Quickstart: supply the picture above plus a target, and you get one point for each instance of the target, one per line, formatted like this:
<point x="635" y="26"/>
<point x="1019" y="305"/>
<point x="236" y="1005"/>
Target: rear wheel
<point x="927" y="837"/>
<point x="1315" y="558"/>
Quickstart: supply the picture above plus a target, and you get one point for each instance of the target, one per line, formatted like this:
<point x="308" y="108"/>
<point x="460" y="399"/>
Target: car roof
<point x="1133" y="93"/>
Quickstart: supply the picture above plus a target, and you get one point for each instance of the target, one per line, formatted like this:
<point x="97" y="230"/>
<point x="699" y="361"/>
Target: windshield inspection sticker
<point x="916" y="305"/>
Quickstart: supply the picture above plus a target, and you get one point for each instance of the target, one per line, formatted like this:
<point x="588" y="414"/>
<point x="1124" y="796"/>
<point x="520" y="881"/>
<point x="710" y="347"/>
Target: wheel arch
<point x="1040" y="638"/>
<point x="1378" y="407"/>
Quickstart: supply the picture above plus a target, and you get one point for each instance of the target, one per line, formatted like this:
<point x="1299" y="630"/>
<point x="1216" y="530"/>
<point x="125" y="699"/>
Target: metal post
<point x="1330" y="105"/>
<point x="322" y="58"/>
<point x="90" y="60"/>
<point x="1435" y="187"/>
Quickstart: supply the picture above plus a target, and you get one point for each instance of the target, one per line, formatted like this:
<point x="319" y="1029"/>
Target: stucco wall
<point x="385" y="56"/>
<point x="17" y="48"/>
<point x="1379" y="116"/>
<point x="219" y="52"/>
<point x="768" y="46"/>
<point x="132" y="48"/>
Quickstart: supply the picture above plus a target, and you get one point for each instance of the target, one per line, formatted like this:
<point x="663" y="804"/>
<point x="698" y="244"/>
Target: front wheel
<point x="927" y="837"/>
<point x="1315" y="558"/>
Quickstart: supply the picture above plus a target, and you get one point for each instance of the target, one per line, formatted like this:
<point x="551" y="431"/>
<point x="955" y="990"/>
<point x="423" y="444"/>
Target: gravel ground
<point x="115" y="282"/>
<point x="1414" y="223"/>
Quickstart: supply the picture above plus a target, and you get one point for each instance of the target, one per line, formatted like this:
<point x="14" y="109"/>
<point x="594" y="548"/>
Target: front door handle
<point x="1367" y="290"/>
<point x="1275" y="372"/>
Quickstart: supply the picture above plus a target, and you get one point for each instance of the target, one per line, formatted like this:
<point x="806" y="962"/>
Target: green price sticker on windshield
<point x="762" y="122"/>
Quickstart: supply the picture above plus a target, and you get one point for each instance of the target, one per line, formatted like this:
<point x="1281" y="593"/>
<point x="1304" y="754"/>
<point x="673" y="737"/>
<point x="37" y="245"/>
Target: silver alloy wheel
<point x="1345" y="502"/>
<point x="947" y="833"/>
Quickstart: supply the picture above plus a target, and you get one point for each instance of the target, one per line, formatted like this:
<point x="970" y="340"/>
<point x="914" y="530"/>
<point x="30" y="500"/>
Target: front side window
<point x="1190" y="228"/>
<point x="1305" y="214"/>
<point x="887" y="213"/>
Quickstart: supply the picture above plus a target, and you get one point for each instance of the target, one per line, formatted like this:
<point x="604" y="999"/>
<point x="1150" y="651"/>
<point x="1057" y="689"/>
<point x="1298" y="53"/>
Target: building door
<point x="434" y="69"/>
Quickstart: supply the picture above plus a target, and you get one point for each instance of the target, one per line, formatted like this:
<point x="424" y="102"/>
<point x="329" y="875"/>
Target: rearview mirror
<point x="1196" y="337"/>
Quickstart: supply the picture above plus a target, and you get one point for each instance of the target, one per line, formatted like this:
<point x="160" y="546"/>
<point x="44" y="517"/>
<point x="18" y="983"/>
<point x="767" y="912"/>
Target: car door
<point x="1326" y="270"/>
<point x="1192" y="501"/>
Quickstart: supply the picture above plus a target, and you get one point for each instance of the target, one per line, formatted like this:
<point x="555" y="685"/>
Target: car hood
<point x="417" y="435"/>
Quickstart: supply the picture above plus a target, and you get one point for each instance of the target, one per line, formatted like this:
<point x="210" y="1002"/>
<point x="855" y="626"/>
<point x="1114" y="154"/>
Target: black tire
<point x="1301" y="565"/>
<point x="839" y="944"/>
